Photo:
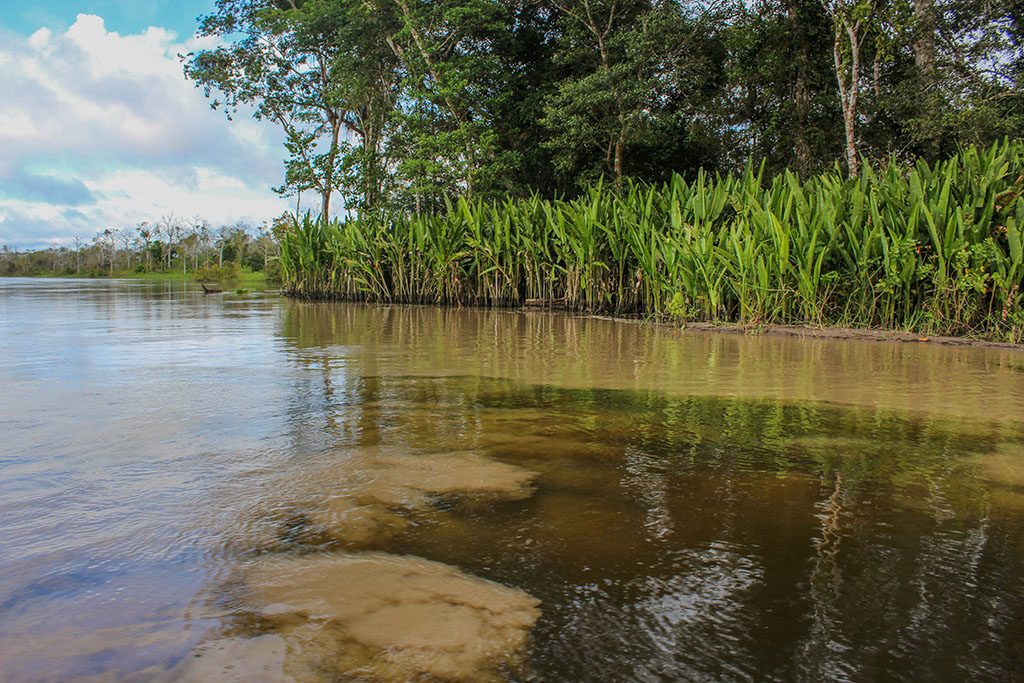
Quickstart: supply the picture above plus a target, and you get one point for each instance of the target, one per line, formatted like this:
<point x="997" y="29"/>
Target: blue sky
<point x="99" y="128"/>
<point x="122" y="16"/>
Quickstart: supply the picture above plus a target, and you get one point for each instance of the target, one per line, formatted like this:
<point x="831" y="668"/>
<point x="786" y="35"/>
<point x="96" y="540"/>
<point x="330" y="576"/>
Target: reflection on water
<point x="570" y="352"/>
<point x="246" y="488"/>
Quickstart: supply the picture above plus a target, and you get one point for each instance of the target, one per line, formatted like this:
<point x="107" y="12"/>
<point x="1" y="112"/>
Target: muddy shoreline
<point x="847" y="333"/>
<point x="800" y="331"/>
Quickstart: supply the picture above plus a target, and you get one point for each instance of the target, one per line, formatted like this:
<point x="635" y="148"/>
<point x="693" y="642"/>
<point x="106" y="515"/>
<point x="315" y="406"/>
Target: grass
<point x="244" y="278"/>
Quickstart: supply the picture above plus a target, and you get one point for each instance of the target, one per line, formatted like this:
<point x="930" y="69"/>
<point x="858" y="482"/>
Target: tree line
<point x="394" y="105"/>
<point x="169" y="245"/>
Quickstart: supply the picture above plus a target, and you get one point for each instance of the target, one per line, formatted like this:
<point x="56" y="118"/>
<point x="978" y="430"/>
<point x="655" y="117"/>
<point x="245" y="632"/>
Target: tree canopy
<point x="401" y="104"/>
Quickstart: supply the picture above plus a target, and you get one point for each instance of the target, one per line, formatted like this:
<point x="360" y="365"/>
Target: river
<point x="244" y="487"/>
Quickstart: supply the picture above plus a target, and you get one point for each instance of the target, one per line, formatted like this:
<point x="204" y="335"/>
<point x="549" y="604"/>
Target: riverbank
<point x="933" y="249"/>
<point x="783" y="330"/>
<point x="814" y="332"/>
<point x="849" y="333"/>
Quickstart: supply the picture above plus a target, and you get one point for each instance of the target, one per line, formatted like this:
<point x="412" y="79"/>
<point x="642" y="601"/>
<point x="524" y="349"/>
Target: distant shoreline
<point x="257" y="279"/>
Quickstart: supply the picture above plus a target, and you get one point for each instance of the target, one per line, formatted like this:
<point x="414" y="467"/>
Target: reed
<point x="935" y="249"/>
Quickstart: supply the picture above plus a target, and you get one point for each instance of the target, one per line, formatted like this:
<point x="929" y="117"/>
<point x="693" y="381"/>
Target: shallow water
<point x="188" y="483"/>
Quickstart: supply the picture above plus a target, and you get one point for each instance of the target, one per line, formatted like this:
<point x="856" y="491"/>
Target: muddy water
<point x="241" y="487"/>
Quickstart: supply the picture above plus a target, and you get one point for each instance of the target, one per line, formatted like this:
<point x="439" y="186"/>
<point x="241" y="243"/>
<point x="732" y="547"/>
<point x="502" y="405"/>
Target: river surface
<point x="244" y="487"/>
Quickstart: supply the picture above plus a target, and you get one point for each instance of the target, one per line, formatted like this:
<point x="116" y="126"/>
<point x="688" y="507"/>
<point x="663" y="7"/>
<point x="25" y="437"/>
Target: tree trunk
<point x="372" y="177"/>
<point x="618" y="162"/>
<point x="852" y="158"/>
<point x="848" y="89"/>
<point x="924" y="60"/>
<point x="924" y="45"/>
<point x="328" y="188"/>
<point x="801" y="93"/>
<point x="802" y="146"/>
<point x="325" y="204"/>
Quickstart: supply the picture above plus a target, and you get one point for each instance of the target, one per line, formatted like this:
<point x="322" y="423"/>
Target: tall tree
<point x="445" y="141"/>
<point x="280" y="58"/>
<point x="367" y="76"/>
<point x="626" y="60"/>
<point x="849" y="20"/>
<point x="975" y="93"/>
<point x="780" y="97"/>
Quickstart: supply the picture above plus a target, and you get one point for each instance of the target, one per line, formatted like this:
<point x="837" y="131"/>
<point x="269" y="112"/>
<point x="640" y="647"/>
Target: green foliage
<point x="934" y="248"/>
<point x="633" y="71"/>
<point x="320" y="70"/>
<point x="398" y="104"/>
<point x="274" y="272"/>
<point x="213" y="273"/>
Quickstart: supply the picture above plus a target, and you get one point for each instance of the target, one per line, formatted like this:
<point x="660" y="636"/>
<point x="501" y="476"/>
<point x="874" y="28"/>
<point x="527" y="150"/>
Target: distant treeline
<point x="935" y="248"/>
<point x="398" y="104"/>
<point x="169" y="245"/>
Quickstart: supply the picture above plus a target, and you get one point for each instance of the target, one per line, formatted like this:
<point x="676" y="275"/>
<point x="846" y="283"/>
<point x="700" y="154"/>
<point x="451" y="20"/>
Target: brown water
<point x="249" y="488"/>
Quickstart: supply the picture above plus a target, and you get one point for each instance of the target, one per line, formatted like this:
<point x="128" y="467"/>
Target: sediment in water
<point x="381" y="617"/>
<point x="373" y="616"/>
<point x="367" y="496"/>
<point x="386" y="483"/>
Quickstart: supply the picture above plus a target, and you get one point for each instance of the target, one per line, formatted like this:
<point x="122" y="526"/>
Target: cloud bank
<point x="102" y="130"/>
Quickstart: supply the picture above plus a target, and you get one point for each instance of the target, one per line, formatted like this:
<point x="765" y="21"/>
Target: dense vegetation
<point x="394" y="105"/>
<point x="169" y="246"/>
<point x="935" y="248"/>
<point x="774" y="161"/>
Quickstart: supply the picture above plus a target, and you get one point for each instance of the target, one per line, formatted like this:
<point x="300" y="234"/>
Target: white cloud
<point x="40" y="38"/>
<point x="101" y="129"/>
<point x="210" y="193"/>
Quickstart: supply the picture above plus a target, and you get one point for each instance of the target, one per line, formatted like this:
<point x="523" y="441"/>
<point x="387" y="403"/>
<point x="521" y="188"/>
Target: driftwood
<point x="544" y="303"/>
<point x="210" y="289"/>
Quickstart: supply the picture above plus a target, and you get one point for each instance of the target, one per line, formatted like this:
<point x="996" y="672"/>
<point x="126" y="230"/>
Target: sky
<point x="100" y="129"/>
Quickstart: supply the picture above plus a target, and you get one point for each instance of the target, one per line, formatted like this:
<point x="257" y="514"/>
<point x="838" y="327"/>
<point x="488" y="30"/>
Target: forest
<point x="395" y="105"/>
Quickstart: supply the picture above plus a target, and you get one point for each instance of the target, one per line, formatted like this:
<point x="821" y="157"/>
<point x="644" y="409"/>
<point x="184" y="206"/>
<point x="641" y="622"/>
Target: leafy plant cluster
<point x="934" y="248"/>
